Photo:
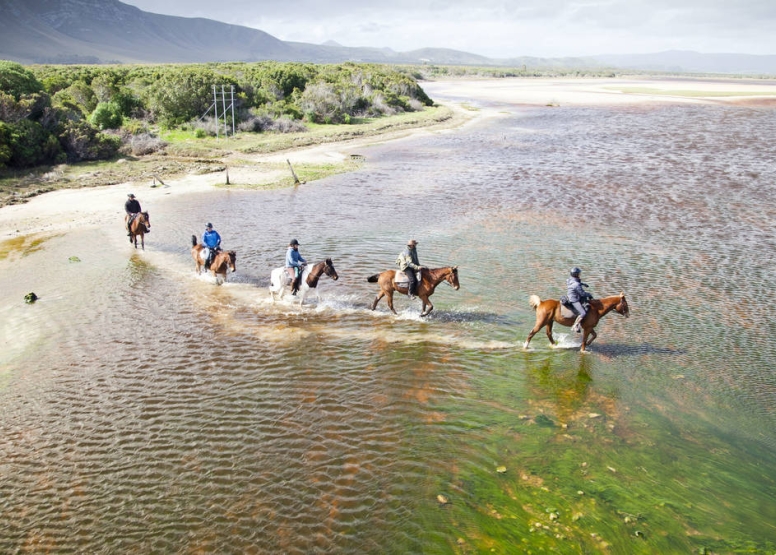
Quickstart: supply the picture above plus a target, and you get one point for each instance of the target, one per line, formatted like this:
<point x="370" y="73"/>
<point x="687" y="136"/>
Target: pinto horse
<point x="551" y="311"/>
<point x="139" y="227"/>
<point x="429" y="279"/>
<point x="280" y="278"/>
<point x="222" y="261"/>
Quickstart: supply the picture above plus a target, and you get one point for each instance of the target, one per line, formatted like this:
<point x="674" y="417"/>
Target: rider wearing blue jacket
<point x="212" y="241"/>
<point x="297" y="262"/>
<point x="577" y="295"/>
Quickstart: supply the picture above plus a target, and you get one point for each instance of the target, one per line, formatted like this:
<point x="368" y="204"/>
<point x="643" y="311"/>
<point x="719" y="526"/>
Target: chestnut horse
<point x="139" y="227"/>
<point x="549" y="312"/>
<point x="280" y="278"/>
<point x="222" y="261"/>
<point x="429" y="279"/>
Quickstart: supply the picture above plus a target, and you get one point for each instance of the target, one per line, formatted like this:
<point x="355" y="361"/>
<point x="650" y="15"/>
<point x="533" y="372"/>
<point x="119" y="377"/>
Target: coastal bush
<point x="81" y="141"/>
<point x="31" y="145"/>
<point x="107" y="115"/>
<point x="18" y="81"/>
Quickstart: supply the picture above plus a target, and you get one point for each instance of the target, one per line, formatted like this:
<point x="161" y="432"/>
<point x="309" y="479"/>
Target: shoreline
<point x="62" y="210"/>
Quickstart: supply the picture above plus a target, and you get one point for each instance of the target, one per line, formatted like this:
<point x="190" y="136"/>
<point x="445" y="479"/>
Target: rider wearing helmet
<point x="212" y="241"/>
<point x="577" y="295"/>
<point x="297" y="262"/>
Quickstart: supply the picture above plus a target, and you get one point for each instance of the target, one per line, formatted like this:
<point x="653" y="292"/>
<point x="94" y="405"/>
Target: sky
<point x="503" y="28"/>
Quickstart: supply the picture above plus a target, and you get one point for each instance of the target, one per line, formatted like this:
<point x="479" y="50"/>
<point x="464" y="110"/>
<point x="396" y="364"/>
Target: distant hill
<point x="109" y="31"/>
<point x="684" y="61"/>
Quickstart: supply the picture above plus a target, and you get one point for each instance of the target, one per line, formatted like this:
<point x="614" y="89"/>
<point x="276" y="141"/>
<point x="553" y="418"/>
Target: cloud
<point x="504" y="28"/>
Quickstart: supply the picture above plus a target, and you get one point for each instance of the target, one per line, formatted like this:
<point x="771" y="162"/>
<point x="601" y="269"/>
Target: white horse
<point x="281" y="278"/>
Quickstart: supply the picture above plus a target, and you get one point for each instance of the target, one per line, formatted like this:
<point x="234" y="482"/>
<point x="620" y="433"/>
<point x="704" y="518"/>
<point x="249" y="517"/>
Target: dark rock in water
<point x="544" y="420"/>
<point x="30" y="298"/>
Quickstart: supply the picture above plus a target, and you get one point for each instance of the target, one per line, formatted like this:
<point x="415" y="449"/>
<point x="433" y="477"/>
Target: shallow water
<point x="147" y="410"/>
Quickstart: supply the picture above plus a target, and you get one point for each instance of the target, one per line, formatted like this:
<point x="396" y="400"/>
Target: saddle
<point x="567" y="309"/>
<point x="402" y="280"/>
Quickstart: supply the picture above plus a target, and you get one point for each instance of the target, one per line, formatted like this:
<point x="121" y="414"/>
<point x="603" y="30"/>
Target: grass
<point x="186" y="154"/>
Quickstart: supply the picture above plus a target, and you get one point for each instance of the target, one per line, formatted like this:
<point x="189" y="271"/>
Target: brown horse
<point x="139" y="227"/>
<point x="429" y="279"/>
<point x="550" y="311"/>
<point x="222" y="261"/>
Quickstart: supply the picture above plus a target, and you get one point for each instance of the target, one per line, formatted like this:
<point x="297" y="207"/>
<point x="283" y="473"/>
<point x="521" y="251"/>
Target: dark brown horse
<point x="138" y="228"/>
<point x="551" y="311"/>
<point x="222" y="261"/>
<point x="429" y="279"/>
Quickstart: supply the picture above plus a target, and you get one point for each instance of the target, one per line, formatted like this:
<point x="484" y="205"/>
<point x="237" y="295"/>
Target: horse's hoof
<point x="525" y="345"/>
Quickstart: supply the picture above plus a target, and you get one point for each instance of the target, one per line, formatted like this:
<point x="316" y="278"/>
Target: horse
<point x="429" y="279"/>
<point x="222" y="261"/>
<point x="280" y="278"/>
<point x="139" y="226"/>
<point x="551" y="311"/>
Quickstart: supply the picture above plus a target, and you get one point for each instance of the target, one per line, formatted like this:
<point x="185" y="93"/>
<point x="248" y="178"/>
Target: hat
<point x="412" y="243"/>
<point x="209" y="225"/>
<point x="130" y="195"/>
<point x="293" y="242"/>
<point x="575" y="272"/>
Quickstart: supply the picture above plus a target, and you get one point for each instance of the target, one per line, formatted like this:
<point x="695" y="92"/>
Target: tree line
<point x="51" y="114"/>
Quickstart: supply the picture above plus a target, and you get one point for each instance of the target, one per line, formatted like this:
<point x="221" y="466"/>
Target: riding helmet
<point x="293" y="242"/>
<point x="209" y="225"/>
<point x="575" y="272"/>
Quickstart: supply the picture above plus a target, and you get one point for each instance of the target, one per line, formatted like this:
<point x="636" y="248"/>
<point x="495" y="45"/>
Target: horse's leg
<point x="593" y="335"/>
<point x="536" y="328"/>
<point x="379" y="296"/>
<point x="426" y="301"/>
<point x="303" y="293"/>
<point x="142" y="240"/>
<point x="389" y="300"/>
<point x="549" y="332"/>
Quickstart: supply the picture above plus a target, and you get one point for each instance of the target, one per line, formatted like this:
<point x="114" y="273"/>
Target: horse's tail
<point x="193" y="240"/>
<point x="373" y="279"/>
<point x="534" y="301"/>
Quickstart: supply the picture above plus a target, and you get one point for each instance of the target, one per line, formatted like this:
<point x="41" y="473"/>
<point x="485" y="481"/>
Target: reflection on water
<point x="146" y="409"/>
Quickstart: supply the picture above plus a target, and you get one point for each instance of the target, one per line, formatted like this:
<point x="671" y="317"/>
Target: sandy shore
<point x="62" y="210"/>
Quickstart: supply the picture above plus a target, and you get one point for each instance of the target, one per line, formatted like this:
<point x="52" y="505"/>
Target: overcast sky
<point x="503" y="28"/>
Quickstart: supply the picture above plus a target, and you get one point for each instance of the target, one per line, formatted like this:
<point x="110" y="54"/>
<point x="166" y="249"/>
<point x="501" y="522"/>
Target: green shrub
<point x="18" y="81"/>
<point x="107" y="115"/>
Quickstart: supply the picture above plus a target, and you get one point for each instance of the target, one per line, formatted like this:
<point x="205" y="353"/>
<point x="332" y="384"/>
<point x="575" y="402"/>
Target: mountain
<point x="109" y="31"/>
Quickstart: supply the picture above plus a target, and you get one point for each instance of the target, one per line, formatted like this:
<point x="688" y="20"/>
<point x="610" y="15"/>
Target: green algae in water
<point x="588" y="474"/>
<point x="23" y="245"/>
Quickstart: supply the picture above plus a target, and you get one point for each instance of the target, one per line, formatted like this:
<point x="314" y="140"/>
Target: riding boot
<point x="411" y="293"/>
<point x="577" y="325"/>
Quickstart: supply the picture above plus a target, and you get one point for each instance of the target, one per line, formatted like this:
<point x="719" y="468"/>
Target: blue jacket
<point x="575" y="292"/>
<point x="294" y="259"/>
<point x="211" y="239"/>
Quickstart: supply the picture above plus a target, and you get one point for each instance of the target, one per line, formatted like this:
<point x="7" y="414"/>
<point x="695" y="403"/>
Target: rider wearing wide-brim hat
<point x="409" y="264"/>
<point x="132" y="208"/>
<point x="297" y="262"/>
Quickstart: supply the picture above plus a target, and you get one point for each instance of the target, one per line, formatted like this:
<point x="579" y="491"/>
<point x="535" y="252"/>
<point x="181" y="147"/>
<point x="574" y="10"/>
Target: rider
<point x="408" y="263"/>
<point x="577" y="295"/>
<point x="212" y="241"/>
<point x="132" y="208"/>
<point x="297" y="262"/>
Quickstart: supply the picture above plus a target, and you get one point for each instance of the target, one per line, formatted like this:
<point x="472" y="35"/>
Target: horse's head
<point x="145" y="219"/>
<point x="232" y="260"/>
<point x="622" y="306"/>
<point x="328" y="269"/>
<point x="452" y="277"/>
